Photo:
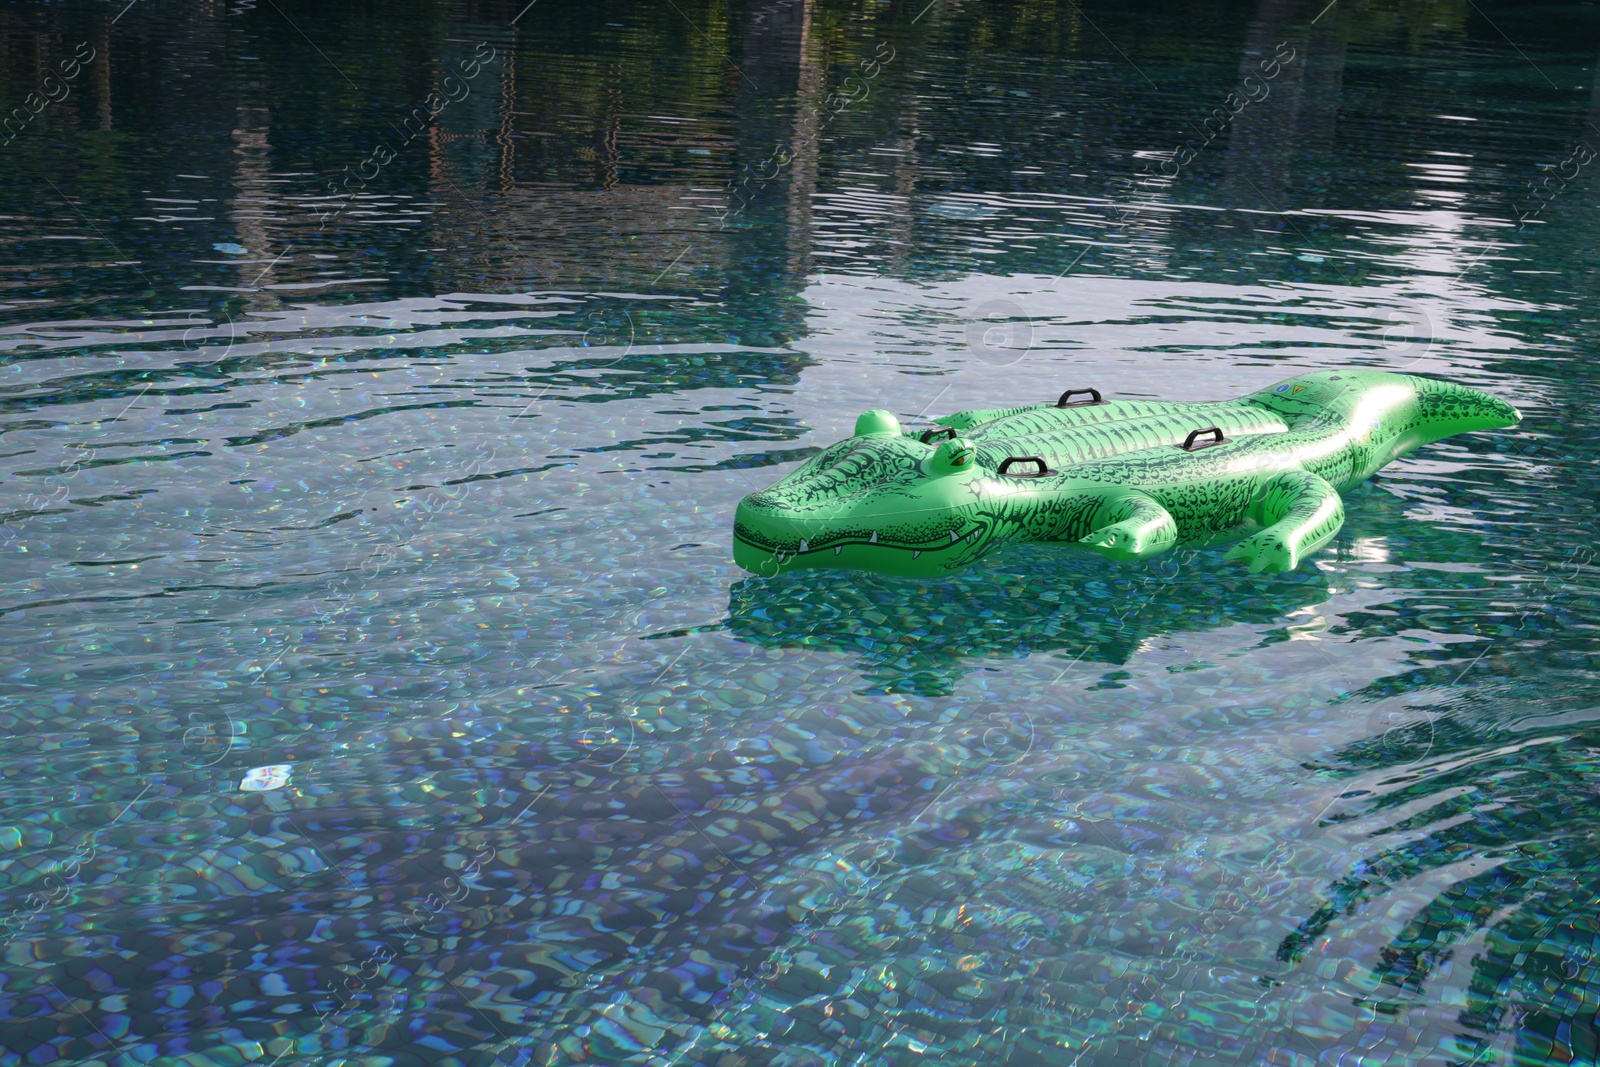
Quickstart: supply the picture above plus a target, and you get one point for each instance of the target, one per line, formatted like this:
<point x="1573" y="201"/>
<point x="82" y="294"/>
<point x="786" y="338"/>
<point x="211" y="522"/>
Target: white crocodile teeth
<point x="953" y="537"/>
<point x="837" y="549"/>
<point x="803" y="546"/>
<point x="874" y="538"/>
<point x="917" y="553"/>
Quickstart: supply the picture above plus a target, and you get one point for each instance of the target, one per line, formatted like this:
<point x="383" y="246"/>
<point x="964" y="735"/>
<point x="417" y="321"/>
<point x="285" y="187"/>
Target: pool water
<point x="379" y="381"/>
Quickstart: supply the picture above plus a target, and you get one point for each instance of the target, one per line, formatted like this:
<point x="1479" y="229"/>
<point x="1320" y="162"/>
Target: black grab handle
<point x="930" y="436"/>
<point x="1005" y="465"/>
<point x="1188" y="442"/>
<point x="1093" y="393"/>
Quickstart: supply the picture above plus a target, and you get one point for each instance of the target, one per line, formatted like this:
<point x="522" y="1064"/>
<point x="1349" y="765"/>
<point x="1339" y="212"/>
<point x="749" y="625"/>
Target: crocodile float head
<point x="876" y="501"/>
<point x="1114" y="476"/>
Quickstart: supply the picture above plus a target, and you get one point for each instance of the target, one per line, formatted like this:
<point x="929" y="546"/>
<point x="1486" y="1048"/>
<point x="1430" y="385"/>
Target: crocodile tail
<point x="1445" y="408"/>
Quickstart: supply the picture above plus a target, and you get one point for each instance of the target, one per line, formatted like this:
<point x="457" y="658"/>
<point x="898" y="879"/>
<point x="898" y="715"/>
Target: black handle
<point x="1094" y="395"/>
<point x="930" y="436"/>
<point x="1188" y="442"/>
<point x="1005" y="465"/>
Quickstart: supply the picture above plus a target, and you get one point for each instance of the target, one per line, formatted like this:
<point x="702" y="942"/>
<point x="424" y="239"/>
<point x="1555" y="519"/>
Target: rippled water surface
<point x="376" y="385"/>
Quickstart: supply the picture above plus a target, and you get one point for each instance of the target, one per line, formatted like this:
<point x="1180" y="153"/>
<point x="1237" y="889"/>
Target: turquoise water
<point x="378" y="687"/>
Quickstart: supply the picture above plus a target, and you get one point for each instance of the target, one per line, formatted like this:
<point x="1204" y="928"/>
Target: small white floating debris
<point x="261" y="779"/>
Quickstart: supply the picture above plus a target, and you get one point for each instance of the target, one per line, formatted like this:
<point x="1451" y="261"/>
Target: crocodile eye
<point x="951" y="456"/>
<point x="876" y="422"/>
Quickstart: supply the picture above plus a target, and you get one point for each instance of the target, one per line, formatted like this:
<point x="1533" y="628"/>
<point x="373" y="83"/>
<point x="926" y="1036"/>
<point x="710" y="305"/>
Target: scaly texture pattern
<point x="1113" y="476"/>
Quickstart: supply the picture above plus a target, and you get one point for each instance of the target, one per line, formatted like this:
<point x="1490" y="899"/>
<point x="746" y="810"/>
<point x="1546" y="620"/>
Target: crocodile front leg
<point x="1301" y="513"/>
<point x="1130" y="525"/>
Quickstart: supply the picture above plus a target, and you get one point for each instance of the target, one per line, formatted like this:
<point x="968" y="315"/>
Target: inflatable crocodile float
<point x="1126" y="478"/>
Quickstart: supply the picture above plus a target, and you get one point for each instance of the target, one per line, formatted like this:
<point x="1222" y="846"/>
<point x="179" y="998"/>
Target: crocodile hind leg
<point x="1300" y="511"/>
<point x="1130" y="525"/>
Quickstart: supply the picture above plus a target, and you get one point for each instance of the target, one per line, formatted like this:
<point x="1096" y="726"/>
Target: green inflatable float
<point x="1126" y="478"/>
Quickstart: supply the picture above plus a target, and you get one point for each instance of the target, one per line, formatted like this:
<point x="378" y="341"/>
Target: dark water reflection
<point x="925" y="637"/>
<point x="375" y="682"/>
